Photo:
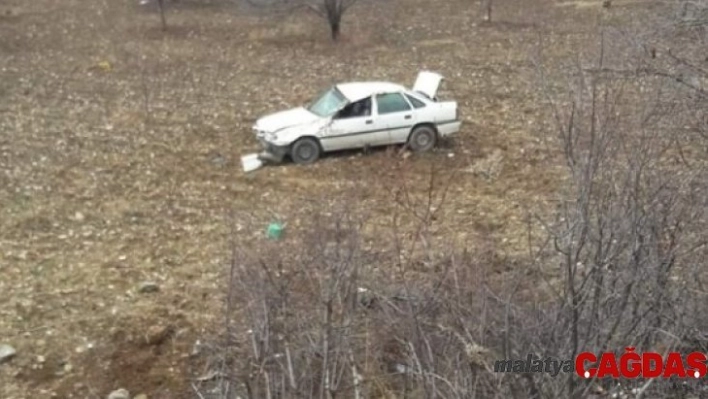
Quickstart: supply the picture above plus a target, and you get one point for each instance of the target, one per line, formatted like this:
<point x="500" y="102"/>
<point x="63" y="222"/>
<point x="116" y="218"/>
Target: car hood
<point x="285" y="119"/>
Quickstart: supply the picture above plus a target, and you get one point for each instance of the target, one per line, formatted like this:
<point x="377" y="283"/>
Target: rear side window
<point x="391" y="102"/>
<point x="416" y="103"/>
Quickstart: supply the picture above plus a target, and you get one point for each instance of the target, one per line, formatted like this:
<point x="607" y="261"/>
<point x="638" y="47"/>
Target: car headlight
<point x="271" y="136"/>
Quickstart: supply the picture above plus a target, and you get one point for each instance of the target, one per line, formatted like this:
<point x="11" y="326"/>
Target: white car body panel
<point x="447" y="129"/>
<point x="359" y="90"/>
<point x="284" y="119"/>
<point x="341" y="134"/>
<point x="397" y="124"/>
<point x="278" y="131"/>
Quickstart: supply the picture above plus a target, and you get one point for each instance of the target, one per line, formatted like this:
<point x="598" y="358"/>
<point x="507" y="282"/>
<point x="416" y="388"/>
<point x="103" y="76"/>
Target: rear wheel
<point x="305" y="151"/>
<point x="423" y="138"/>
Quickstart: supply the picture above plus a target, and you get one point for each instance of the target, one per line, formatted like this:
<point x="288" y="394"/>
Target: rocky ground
<point x="120" y="147"/>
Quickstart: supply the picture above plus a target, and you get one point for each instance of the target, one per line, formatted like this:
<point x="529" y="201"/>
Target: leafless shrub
<point x="300" y="305"/>
<point x="627" y="241"/>
<point x="323" y="314"/>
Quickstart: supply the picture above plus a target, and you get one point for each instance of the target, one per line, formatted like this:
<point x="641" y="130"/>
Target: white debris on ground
<point x="250" y="162"/>
<point x="7" y="352"/>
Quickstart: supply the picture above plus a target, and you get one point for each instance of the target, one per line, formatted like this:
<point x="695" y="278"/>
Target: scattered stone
<point x="158" y="334"/>
<point x="119" y="394"/>
<point x="196" y="348"/>
<point x="218" y="160"/>
<point x="79" y="217"/>
<point x="7" y="352"/>
<point x="148" y="287"/>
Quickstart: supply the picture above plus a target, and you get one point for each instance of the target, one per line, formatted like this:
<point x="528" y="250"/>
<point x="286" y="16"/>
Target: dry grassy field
<point x="120" y="147"/>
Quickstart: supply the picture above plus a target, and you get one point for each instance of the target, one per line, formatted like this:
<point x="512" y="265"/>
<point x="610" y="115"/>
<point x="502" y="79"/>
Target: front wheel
<point x="423" y="138"/>
<point x="305" y="151"/>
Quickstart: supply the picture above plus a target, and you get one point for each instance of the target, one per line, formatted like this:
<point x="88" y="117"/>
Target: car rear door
<point x="396" y="115"/>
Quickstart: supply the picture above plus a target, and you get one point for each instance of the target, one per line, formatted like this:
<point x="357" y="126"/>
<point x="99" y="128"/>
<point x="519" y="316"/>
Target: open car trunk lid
<point x="427" y="83"/>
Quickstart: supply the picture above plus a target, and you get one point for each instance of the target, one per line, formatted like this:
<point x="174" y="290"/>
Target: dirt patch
<point x="150" y="356"/>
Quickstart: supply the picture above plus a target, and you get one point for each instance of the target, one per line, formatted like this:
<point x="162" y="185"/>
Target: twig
<point x="194" y="387"/>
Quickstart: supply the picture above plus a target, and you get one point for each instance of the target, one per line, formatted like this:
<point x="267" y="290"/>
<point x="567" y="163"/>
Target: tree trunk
<point x="333" y="12"/>
<point x="334" y="30"/>
<point x="161" y="4"/>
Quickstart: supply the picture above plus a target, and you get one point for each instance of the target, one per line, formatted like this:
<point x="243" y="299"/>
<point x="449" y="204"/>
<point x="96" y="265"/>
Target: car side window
<point x="416" y="103"/>
<point x="391" y="102"/>
<point x="357" y="109"/>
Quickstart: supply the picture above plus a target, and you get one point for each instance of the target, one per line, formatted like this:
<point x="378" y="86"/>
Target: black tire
<point x="422" y="138"/>
<point x="305" y="151"/>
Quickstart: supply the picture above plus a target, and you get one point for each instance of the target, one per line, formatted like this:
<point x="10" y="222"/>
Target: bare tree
<point x="161" y="5"/>
<point x="161" y="9"/>
<point x="331" y="11"/>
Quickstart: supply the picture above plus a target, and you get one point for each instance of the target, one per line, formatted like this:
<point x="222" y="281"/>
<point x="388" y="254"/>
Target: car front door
<point x="395" y="115"/>
<point x="352" y="127"/>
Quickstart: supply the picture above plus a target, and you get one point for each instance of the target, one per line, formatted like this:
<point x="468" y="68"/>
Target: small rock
<point x="7" y="352"/>
<point x="156" y="335"/>
<point x="79" y="217"/>
<point x="141" y="396"/>
<point x="119" y="394"/>
<point x="218" y="160"/>
<point x="148" y="286"/>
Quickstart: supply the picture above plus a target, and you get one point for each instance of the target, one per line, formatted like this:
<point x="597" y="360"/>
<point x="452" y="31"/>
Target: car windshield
<point x="327" y="103"/>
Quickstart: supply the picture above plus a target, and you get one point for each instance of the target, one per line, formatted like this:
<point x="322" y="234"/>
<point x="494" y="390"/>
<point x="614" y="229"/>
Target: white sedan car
<point x="357" y="115"/>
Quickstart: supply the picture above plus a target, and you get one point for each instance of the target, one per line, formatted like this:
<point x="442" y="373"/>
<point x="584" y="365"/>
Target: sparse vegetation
<point x="568" y="216"/>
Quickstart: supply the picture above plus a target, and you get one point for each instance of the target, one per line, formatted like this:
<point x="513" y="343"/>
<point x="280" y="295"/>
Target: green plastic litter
<point x="274" y="231"/>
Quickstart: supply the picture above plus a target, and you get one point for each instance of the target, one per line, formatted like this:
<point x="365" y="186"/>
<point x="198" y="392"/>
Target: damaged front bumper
<point x="272" y="153"/>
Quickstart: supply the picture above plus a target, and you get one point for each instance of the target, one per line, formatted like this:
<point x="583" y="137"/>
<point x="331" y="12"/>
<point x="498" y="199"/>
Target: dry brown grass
<point x="119" y="146"/>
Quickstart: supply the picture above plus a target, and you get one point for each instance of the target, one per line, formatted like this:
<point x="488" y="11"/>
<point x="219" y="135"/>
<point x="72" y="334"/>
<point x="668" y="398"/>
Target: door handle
<point x="407" y="116"/>
<point x="369" y="122"/>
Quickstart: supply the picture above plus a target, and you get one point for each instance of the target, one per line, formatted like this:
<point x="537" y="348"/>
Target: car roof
<point x="356" y="91"/>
